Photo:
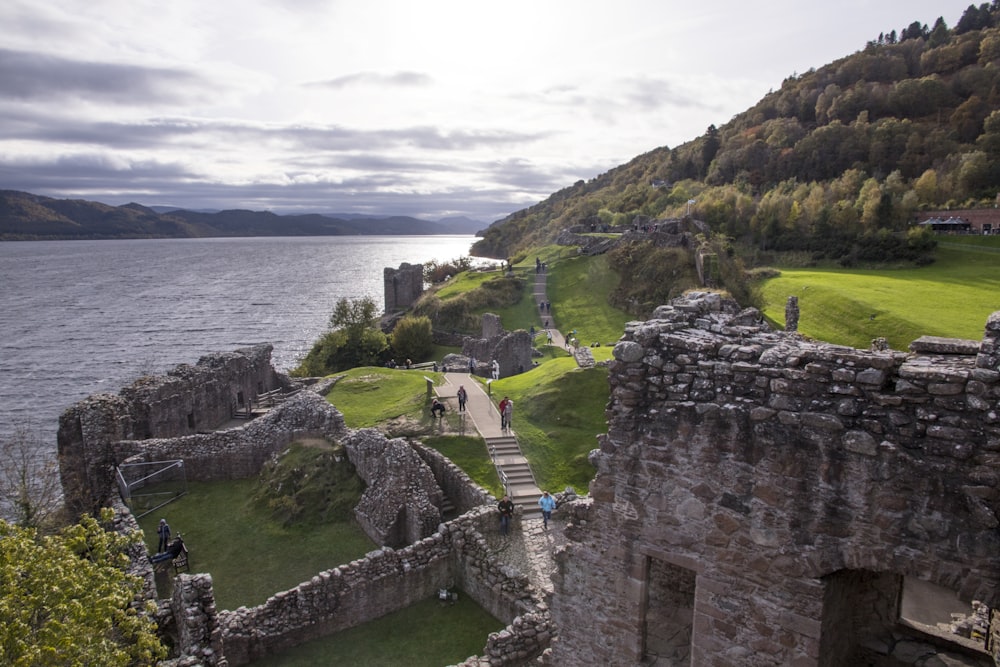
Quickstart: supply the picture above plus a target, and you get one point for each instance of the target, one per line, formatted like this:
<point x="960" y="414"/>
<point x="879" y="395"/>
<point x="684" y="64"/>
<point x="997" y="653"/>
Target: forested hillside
<point x="837" y="161"/>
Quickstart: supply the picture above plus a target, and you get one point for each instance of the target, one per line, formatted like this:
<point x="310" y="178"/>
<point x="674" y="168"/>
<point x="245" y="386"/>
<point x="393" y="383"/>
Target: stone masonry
<point x="511" y="349"/>
<point x="401" y="509"/>
<point x="186" y="401"/>
<point x="761" y="497"/>
<point x="403" y="286"/>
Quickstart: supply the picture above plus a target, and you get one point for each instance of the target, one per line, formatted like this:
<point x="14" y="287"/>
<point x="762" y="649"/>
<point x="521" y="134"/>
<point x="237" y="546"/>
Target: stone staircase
<point x="516" y="473"/>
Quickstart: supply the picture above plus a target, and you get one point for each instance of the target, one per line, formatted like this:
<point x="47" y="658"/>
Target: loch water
<point x="85" y="317"/>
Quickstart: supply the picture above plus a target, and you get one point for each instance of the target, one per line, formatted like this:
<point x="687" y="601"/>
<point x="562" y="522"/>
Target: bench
<point x="181" y="562"/>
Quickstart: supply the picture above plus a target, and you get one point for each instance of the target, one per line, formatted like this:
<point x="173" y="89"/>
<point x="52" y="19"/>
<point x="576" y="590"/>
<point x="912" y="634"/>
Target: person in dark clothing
<point x="463" y="396"/>
<point x="163" y="530"/>
<point x="437" y="408"/>
<point x="506" y="509"/>
<point x="174" y="550"/>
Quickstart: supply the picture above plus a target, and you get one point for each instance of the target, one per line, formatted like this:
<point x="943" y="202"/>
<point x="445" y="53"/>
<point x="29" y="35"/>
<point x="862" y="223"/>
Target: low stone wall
<point x="387" y="580"/>
<point x="464" y="494"/>
<point x="241" y="452"/>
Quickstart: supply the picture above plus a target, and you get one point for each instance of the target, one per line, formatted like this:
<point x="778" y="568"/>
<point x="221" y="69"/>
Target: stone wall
<point x="402" y="501"/>
<point x="512" y="349"/>
<point x="185" y="401"/>
<point x="403" y="286"/>
<point x="387" y="580"/>
<point x="777" y="473"/>
<point x="464" y="494"/>
<point x="401" y="505"/>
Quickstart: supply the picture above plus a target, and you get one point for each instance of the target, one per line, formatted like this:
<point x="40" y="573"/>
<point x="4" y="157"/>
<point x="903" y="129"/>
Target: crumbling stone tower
<point x="762" y="499"/>
<point x="403" y="286"/>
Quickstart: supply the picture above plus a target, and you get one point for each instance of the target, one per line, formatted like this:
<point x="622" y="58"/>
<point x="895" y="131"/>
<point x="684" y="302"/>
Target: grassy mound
<point x="310" y="483"/>
<point x="558" y="414"/>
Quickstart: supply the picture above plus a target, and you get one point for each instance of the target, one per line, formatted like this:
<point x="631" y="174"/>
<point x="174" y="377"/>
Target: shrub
<point x="413" y="338"/>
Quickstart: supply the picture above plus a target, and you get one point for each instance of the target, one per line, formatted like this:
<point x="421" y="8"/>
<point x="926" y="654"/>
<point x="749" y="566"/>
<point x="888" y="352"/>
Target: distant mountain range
<point x="28" y="217"/>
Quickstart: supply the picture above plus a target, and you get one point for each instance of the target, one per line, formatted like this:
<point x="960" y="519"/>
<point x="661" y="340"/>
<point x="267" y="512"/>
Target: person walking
<point x="508" y="412"/>
<point x="472" y="365"/>
<point x="548" y="504"/>
<point x="506" y="509"/>
<point x="163" y="531"/>
<point x="463" y="396"/>
<point x="503" y="413"/>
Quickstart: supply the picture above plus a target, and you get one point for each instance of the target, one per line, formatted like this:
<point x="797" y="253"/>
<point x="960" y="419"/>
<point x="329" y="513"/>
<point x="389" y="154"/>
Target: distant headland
<point x="28" y="217"/>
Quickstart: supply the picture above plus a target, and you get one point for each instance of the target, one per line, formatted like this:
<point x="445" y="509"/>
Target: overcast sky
<point x="430" y="108"/>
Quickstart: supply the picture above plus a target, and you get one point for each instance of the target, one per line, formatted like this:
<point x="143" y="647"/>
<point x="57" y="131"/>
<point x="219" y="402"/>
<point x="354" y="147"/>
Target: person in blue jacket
<point x="548" y="504"/>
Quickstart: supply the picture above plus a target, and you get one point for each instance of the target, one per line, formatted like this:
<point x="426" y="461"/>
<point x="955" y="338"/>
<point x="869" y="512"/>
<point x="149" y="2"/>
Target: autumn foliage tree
<point x="68" y="599"/>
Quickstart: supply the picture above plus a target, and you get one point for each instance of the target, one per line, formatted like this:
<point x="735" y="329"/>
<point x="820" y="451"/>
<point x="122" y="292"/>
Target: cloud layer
<point x="451" y="108"/>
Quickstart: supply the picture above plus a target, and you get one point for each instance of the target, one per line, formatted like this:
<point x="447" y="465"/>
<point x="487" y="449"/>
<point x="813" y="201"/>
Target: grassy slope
<point x="579" y="288"/>
<point x="558" y="414"/>
<point x="952" y="297"/>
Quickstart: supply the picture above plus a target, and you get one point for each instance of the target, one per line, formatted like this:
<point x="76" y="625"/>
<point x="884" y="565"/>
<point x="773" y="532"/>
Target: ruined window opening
<point x="260" y="387"/>
<point x="669" y="613"/>
<point x="190" y="420"/>
<point x="866" y="614"/>
<point x="240" y="399"/>
<point x="940" y="612"/>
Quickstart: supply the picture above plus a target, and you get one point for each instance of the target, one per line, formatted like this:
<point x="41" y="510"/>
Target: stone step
<point x="519" y="475"/>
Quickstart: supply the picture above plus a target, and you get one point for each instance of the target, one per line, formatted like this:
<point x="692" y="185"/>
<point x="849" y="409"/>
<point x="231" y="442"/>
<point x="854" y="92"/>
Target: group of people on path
<point x="506" y="509"/>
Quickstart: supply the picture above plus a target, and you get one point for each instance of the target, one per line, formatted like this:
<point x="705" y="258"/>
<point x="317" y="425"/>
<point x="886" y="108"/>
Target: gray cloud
<point x="396" y="79"/>
<point x="26" y="75"/>
<point x="511" y="185"/>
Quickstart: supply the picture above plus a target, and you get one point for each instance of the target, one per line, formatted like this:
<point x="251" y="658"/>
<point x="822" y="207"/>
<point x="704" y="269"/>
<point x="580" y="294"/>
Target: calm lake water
<point x="85" y="317"/>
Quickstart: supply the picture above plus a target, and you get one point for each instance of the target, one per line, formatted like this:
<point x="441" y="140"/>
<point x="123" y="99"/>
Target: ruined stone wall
<point x="763" y="463"/>
<point x="512" y="349"/>
<point x="402" y="502"/>
<point x="464" y="494"/>
<point x="403" y="286"/>
<point x="240" y="453"/>
<point x="185" y="401"/>
<point x="387" y="580"/>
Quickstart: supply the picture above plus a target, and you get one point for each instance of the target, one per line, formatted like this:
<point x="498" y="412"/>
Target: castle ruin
<point x="401" y="510"/>
<point x="761" y="499"/>
<point x="403" y="286"/>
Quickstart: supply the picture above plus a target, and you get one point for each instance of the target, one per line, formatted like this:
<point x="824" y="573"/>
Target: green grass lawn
<point x="250" y="555"/>
<point x="952" y="297"/>
<point x="371" y="395"/>
<point x="558" y="414"/>
<point x="425" y="634"/>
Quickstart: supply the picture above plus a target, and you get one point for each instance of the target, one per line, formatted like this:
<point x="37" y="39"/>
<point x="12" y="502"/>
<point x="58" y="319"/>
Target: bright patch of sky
<point x="431" y="109"/>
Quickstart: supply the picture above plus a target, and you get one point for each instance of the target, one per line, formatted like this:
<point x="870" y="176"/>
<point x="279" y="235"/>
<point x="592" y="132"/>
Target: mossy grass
<point x="951" y="297"/>
<point x="425" y="634"/>
<point x="249" y="553"/>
